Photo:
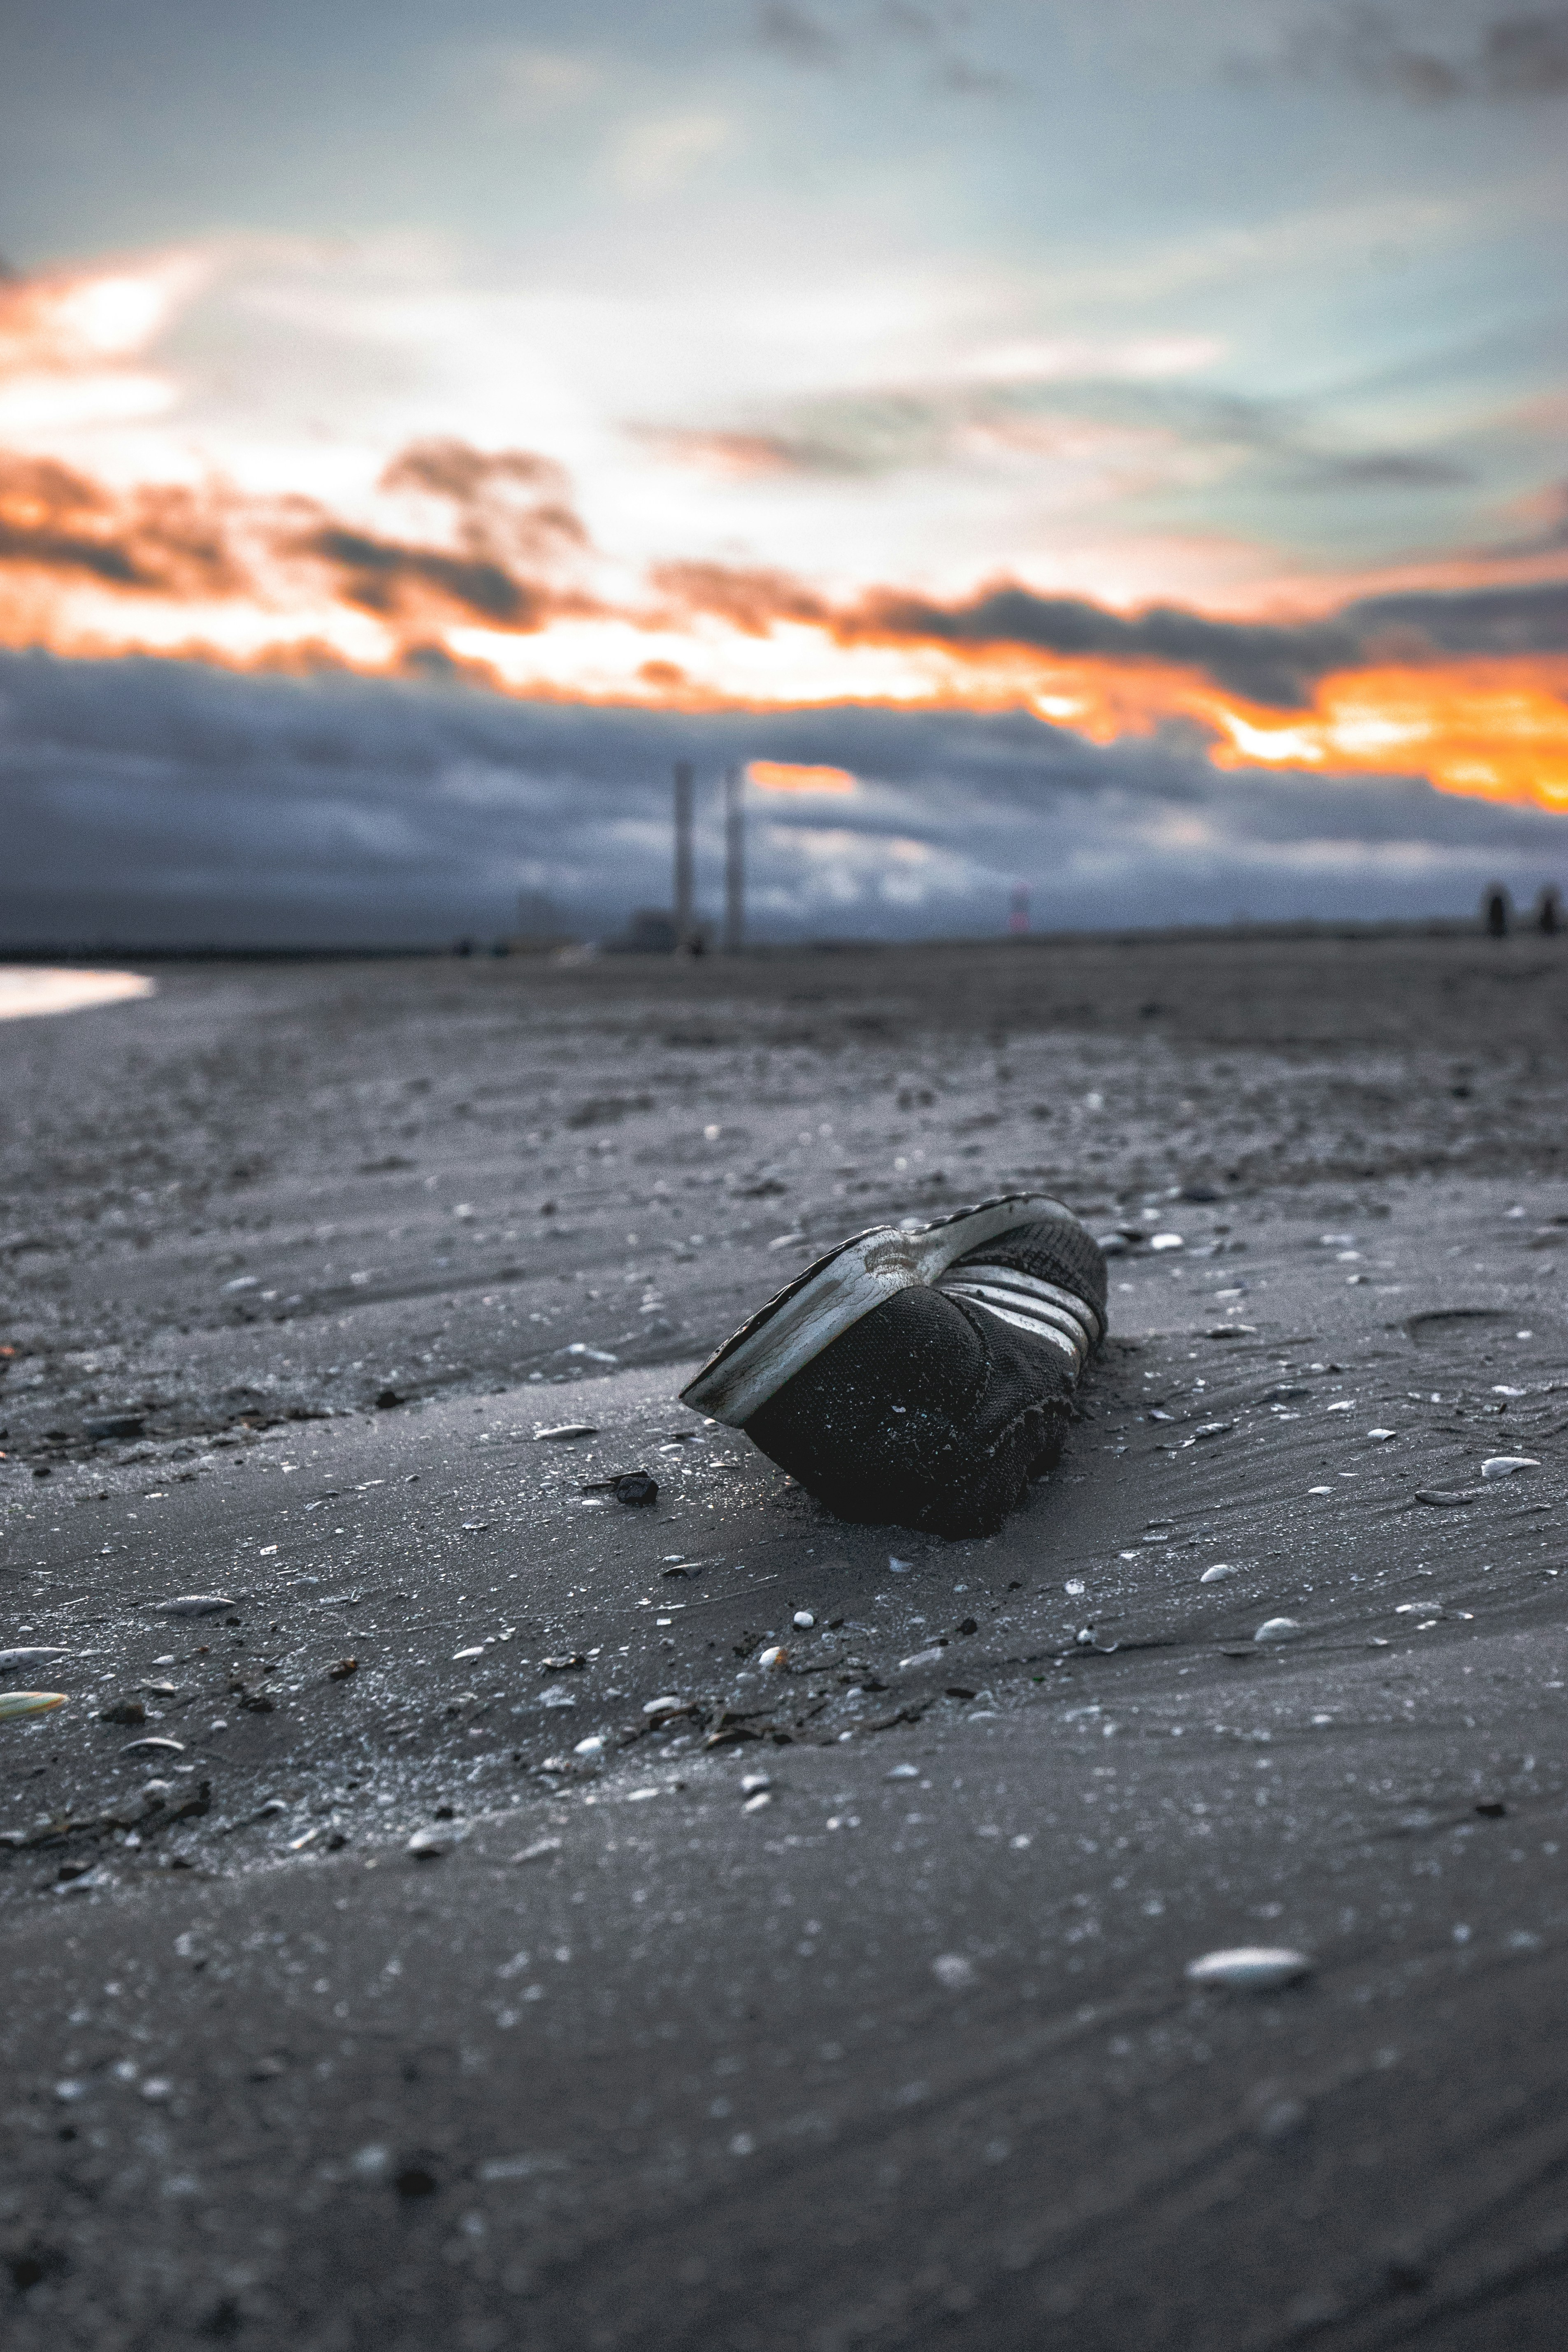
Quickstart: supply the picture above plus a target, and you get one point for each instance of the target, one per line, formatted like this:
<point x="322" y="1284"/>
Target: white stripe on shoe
<point x="1029" y="1305"/>
<point x="1031" y="1291"/>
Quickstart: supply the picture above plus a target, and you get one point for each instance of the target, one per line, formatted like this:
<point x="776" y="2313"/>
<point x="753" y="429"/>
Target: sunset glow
<point x="965" y="399"/>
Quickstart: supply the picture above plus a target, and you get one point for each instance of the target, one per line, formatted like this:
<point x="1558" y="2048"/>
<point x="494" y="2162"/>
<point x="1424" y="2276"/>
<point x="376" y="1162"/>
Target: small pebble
<point x="668" y="1704"/>
<point x="1251" y="1967"/>
<point x="951" y="1969"/>
<point x="751" y="1781"/>
<point x="904" y="1772"/>
<point x="343" y="1670"/>
<point x="593" y="1745"/>
<point x="1277" y="1629"/>
<point x="755" y="1804"/>
<point x="803" y="1619"/>
<point x="774" y="1659"/>
<point x="427" y="1845"/>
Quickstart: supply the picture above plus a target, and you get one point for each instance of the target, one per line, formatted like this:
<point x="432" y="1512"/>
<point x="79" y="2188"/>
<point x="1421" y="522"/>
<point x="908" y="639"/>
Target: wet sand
<point x="632" y="2059"/>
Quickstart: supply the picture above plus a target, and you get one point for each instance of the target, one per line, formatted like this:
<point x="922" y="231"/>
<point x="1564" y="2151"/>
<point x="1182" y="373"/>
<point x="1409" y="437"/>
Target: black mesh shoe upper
<point x="931" y="1411"/>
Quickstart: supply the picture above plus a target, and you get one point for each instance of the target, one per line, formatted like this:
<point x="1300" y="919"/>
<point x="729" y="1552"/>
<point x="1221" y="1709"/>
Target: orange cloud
<point x="787" y="776"/>
<point x="475" y="563"/>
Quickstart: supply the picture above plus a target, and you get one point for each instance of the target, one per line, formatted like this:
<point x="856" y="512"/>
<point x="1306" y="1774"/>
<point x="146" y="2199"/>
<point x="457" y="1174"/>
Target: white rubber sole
<point x="876" y="1266"/>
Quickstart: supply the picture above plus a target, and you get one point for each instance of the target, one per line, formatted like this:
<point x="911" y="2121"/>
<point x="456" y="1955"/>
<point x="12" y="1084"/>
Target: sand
<point x="907" y="2054"/>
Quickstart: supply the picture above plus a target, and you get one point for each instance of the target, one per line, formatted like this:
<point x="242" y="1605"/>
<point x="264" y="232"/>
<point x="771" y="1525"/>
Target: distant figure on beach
<point x="1495" y="910"/>
<point x="1548" y="910"/>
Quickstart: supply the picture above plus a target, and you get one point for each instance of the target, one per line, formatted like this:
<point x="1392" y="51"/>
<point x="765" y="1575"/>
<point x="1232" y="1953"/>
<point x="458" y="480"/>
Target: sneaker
<point x="922" y="1378"/>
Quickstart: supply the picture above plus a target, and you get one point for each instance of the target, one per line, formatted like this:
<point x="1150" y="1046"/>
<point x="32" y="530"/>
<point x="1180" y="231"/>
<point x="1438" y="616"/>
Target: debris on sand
<point x="803" y="1620"/>
<point x="951" y="1969"/>
<point x="13" y="1661"/>
<point x="660" y="1710"/>
<point x="1449" y="1495"/>
<point x="427" y="1845"/>
<point x="20" y="1703"/>
<point x="115" y="1424"/>
<point x="123" y="1710"/>
<point x="1217" y="1573"/>
<point x="343" y="1670"/>
<point x="540" y="1851"/>
<point x="194" y="1604"/>
<point x="564" y="1431"/>
<point x="633" y="1487"/>
<point x="154" y="1744"/>
<point x="1250" y="1968"/>
<point x="1504" y="1466"/>
<point x="1277" y="1629"/>
<point x="774" y="1659"/>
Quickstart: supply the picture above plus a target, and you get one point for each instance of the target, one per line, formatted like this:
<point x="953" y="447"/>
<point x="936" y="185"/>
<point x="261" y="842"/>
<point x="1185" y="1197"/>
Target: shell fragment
<point x="1250" y="1968"/>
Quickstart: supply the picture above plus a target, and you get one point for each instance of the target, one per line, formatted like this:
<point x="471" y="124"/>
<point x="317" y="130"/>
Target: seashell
<point x="668" y="1704"/>
<point x="1277" y="1629"/>
<point x="1503" y="1466"/>
<point x="1250" y="1968"/>
<point x="774" y="1659"/>
<point x="194" y="1604"/>
<point x="1217" y="1573"/>
<point x="19" y="1703"/>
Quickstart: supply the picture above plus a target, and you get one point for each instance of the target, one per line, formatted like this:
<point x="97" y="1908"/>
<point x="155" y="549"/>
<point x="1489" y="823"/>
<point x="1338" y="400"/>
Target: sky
<point x="967" y="398"/>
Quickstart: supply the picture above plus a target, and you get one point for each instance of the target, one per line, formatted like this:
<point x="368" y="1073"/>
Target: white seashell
<point x="18" y="1702"/>
<point x="803" y="1619"/>
<point x="593" y="1745"/>
<point x="194" y="1604"/>
<point x="1251" y="1967"/>
<point x="668" y="1704"/>
<point x="921" y="1658"/>
<point x="1168" y="1242"/>
<point x="758" y="1803"/>
<point x="427" y="1845"/>
<point x="775" y="1660"/>
<point x="1217" y="1573"/>
<point x="1277" y="1629"/>
<point x="458" y="1655"/>
<point x="1503" y="1466"/>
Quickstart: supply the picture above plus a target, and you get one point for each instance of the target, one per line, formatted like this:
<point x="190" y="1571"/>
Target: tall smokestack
<point x="734" y="862"/>
<point x="683" y="907"/>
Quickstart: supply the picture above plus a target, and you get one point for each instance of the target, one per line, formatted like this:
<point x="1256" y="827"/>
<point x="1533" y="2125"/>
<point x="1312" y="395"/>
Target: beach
<point x="842" y="2003"/>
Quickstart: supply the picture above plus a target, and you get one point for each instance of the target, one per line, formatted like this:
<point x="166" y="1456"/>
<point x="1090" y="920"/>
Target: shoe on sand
<point x="922" y="1378"/>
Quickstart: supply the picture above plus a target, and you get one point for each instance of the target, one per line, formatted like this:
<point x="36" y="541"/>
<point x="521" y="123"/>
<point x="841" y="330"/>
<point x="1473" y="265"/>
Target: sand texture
<point x="298" y="1259"/>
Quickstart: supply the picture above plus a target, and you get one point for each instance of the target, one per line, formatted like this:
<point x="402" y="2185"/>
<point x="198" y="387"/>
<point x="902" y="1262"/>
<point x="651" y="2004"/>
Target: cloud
<point x="800" y="39"/>
<point x="164" y="802"/>
<point x="503" y="542"/>
<point x="1520" y="57"/>
<point x="652" y="157"/>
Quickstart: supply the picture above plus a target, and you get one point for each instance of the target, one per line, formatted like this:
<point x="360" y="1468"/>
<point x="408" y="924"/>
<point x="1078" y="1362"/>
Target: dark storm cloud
<point x="157" y="802"/>
<point x="1520" y="56"/>
<point x="1277" y="663"/>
